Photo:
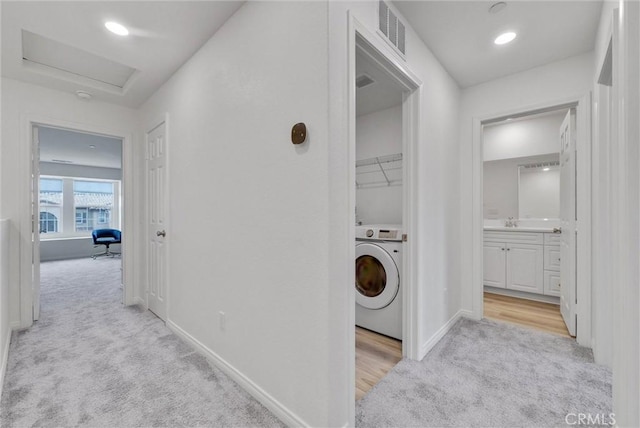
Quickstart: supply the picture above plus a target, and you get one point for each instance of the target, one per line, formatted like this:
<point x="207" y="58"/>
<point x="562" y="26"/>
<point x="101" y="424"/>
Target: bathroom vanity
<point x="523" y="262"/>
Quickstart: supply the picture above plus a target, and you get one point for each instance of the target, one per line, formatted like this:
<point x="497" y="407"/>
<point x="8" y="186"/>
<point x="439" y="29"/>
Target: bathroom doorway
<point x="530" y="190"/>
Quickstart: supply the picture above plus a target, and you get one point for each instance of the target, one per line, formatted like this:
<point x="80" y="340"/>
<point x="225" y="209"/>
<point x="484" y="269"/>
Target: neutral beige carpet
<point x="91" y="362"/>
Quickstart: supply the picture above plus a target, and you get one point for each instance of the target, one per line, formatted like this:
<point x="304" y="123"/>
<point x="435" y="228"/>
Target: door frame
<point x="363" y="41"/>
<point x="582" y="105"/>
<point x="28" y="122"/>
<point x="153" y="124"/>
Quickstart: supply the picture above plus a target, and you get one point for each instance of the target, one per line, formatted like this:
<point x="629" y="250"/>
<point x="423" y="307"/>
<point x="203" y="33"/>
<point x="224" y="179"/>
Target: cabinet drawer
<point x="552" y="238"/>
<point x="552" y="258"/>
<point x="514" y="237"/>
<point x="551" y="283"/>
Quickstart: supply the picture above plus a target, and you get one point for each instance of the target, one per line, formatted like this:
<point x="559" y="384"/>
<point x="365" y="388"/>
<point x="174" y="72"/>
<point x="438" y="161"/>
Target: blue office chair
<point x="105" y="237"/>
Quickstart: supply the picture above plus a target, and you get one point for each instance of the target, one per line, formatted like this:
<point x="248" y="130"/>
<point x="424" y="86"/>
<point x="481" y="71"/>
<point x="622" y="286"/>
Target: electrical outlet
<point x="223" y="321"/>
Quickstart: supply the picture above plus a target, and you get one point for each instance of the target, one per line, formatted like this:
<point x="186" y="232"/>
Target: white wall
<point x="22" y="102"/>
<point x="437" y="196"/>
<point x="248" y="232"/>
<point x="65" y="170"/>
<point x="379" y="134"/>
<point x="553" y="83"/>
<point x="616" y="219"/>
<point x="527" y="137"/>
<point x="5" y="323"/>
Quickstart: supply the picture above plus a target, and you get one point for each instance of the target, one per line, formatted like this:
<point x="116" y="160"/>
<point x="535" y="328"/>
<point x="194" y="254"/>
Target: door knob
<point x="161" y="233"/>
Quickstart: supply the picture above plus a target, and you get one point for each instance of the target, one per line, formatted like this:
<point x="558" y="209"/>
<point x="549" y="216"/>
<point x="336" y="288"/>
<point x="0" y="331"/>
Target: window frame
<point x="67" y="221"/>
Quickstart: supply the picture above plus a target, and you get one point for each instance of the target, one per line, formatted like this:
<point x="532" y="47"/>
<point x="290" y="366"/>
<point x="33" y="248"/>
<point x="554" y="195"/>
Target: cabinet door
<point x="552" y="258"/>
<point x="551" y="283"/>
<point x="494" y="264"/>
<point x="525" y="268"/>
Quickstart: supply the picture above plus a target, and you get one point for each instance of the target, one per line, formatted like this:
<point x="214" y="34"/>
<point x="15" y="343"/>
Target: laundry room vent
<point x="391" y="28"/>
<point x="363" y="80"/>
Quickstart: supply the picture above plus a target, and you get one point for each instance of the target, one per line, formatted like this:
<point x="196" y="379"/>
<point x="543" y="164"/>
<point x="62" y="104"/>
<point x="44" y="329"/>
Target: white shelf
<point x="380" y="171"/>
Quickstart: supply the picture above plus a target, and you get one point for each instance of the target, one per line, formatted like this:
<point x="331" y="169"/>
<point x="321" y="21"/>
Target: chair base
<point x="105" y="254"/>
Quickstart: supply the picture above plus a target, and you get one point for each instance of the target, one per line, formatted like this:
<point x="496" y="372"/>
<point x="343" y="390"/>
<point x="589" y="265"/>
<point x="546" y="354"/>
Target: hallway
<point x="90" y="361"/>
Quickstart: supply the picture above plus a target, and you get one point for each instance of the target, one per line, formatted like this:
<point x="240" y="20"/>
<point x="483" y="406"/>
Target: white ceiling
<point x="75" y="148"/>
<point x="164" y="34"/>
<point x="461" y="33"/>
<point x="383" y="93"/>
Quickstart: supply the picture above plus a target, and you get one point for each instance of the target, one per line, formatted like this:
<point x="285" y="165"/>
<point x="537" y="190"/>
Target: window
<point x="104" y="217"/>
<point x="81" y="218"/>
<point x="51" y="204"/>
<point x="86" y="204"/>
<point x="93" y="201"/>
<point x="48" y="222"/>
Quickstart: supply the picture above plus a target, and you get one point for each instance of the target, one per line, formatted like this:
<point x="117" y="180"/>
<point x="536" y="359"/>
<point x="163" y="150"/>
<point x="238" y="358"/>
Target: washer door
<point x="377" y="277"/>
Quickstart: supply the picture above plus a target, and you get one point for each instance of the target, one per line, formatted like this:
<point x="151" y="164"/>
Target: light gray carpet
<point x="91" y="362"/>
<point x="489" y="374"/>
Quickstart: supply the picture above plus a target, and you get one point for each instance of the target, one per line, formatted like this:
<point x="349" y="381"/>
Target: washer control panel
<point x="379" y="232"/>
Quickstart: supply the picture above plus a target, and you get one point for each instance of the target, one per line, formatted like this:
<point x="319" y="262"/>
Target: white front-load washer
<point x="378" y="280"/>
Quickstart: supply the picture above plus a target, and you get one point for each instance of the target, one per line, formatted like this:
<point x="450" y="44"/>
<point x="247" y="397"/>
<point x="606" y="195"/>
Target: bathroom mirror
<point x="522" y="188"/>
<point x="539" y="190"/>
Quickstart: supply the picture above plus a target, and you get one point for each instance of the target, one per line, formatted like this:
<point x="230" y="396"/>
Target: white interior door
<point x="35" y="223"/>
<point x="568" y="222"/>
<point x="156" y="173"/>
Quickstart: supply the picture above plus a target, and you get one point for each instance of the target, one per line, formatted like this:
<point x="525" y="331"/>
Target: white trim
<point x="158" y="121"/>
<point x="363" y="41"/>
<point x="583" y="108"/>
<point x="523" y="295"/>
<point x="140" y="301"/>
<point x="5" y="360"/>
<point x="271" y="403"/>
<point x="433" y="340"/>
<point x="25" y="222"/>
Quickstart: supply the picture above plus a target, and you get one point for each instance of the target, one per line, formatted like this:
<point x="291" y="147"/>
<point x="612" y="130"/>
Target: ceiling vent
<point x="391" y="28"/>
<point x="70" y="63"/>
<point x="363" y="80"/>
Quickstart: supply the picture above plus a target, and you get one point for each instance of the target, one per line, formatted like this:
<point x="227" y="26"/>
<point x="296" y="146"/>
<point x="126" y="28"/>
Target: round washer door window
<point x="377" y="277"/>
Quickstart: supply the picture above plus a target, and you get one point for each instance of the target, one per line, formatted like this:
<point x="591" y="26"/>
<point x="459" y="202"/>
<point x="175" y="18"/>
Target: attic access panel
<point x="54" y="55"/>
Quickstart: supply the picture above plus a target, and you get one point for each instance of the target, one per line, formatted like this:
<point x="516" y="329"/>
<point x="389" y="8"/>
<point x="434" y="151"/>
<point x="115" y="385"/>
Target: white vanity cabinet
<point x="552" y="264"/>
<point x="514" y="260"/>
<point x="522" y="261"/>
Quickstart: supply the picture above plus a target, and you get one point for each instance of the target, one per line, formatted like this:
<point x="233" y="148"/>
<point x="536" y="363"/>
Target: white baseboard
<point x="433" y="340"/>
<point x="523" y="295"/>
<point x="277" y="408"/>
<point x="5" y="360"/>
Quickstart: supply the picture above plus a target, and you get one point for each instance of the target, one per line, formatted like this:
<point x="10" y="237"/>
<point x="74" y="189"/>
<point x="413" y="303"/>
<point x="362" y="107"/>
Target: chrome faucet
<point x="510" y="222"/>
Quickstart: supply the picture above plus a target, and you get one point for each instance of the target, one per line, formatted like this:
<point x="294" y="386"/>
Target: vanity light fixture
<point x="117" y="28"/>
<point x="505" y="38"/>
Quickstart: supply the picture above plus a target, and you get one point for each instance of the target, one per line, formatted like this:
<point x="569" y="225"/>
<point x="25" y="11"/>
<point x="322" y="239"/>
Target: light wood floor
<point x="538" y="315"/>
<point x="375" y="356"/>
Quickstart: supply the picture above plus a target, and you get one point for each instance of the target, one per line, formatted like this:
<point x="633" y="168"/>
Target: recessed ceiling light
<point x="497" y="7"/>
<point x="116" y="28"/>
<point x="92" y="146"/>
<point x="545" y="169"/>
<point x="505" y="38"/>
<point x="83" y="95"/>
